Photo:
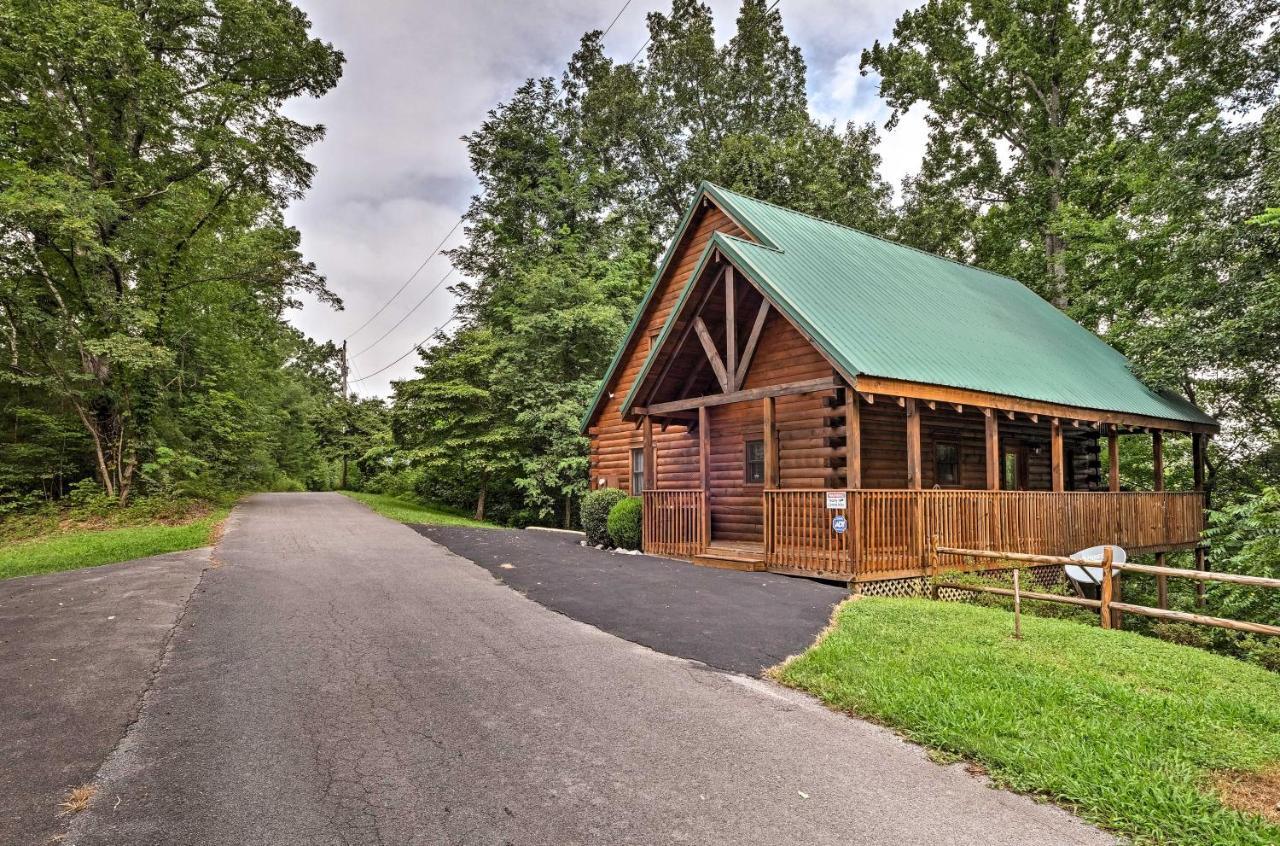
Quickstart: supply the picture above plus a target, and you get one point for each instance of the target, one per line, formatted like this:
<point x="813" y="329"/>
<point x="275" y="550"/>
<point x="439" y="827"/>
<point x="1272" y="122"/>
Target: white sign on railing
<point x="837" y="500"/>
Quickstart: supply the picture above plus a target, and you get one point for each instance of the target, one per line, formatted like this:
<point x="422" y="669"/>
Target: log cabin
<point x="802" y="397"/>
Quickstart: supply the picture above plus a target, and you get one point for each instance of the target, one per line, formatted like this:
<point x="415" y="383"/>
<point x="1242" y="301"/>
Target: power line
<point x="407" y="314"/>
<point x="412" y="276"/>
<point x="445" y="239"/>
<point x="615" y="19"/>
<point x="418" y="345"/>
<point x="412" y="349"/>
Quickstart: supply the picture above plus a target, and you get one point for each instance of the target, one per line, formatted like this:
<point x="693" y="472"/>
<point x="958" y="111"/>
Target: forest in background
<point x="1118" y="158"/>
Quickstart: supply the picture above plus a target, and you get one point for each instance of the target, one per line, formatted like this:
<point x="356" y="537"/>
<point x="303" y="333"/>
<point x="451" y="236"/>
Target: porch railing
<point x="888" y="530"/>
<point x="675" y="522"/>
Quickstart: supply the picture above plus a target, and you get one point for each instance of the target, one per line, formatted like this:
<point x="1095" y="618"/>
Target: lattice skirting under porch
<point x="1035" y="578"/>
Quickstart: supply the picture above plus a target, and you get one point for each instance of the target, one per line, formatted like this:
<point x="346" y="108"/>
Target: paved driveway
<point x="742" y="622"/>
<point x="340" y="680"/>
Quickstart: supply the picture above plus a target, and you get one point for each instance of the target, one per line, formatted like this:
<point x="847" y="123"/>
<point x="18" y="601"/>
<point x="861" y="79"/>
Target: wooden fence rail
<point x="887" y="530"/>
<point x="1108" y="607"/>
<point x="675" y="522"/>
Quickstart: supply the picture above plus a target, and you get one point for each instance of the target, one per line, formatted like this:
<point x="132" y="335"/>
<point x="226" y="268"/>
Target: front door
<point x="1014" y="468"/>
<point x="737" y="473"/>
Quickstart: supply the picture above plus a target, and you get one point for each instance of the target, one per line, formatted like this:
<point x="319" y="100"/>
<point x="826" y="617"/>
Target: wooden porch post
<point x="1197" y="459"/>
<point x="853" y="470"/>
<point x="704" y="471"/>
<point x="650" y="456"/>
<point x="730" y="330"/>
<point x="1157" y="458"/>
<point x="770" y="444"/>
<point x="1157" y="472"/>
<point x="913" y="445"/>
<point x="993" y="475"/>
<point x="1197" y="470"/>
<point x="1055" y="451"/>
<point x="853" y="439"/>
<point x="913" y="479"/>
<point x="1056" y="460"/>
<point x="1113" y="459"/>
<point x="993" y="449"/>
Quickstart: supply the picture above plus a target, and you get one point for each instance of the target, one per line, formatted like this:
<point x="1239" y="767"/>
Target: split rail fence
<point x="1109" y="608"/>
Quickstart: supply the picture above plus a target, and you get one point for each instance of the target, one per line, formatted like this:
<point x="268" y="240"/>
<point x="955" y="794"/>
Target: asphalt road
<point x="340" y="680"/>
<point x="742" y="622"/>
<point x="76" y="651"/>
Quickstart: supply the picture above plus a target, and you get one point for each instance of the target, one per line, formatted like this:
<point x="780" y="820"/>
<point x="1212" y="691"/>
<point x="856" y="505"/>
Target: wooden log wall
<point x="613" y="438"/>
<point x="884" y="446"/>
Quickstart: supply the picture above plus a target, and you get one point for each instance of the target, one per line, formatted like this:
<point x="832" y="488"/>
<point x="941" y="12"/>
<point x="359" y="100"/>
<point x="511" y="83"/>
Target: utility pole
<point x="345" y="417"/>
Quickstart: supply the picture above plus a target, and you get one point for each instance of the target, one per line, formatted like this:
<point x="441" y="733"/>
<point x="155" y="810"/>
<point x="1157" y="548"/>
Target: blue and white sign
<point x="839" y="523"/>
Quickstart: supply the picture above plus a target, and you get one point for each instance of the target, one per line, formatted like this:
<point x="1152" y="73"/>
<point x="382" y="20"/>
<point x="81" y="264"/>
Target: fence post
<point x="1017" y="606"/>
<point x="935" y="567"/>
<point x="1162" y="584"/>
<point x="1105" y="609"/>
<point x="1200" y="565"/>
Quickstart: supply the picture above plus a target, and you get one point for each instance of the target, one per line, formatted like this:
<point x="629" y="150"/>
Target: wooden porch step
<point x="740" y="556"/>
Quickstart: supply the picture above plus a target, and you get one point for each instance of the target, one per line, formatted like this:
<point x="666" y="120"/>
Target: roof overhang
<point x="981" y="399"/>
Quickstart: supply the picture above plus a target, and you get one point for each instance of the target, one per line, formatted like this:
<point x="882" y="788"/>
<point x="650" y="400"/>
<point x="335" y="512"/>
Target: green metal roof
<point x="882" y="309"/>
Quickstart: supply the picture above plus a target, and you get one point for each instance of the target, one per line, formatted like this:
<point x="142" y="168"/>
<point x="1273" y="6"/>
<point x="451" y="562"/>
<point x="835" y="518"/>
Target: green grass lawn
<point x="406" y="511"/>
<point x="90" y="548"/>
<point x="1125" y="729"/>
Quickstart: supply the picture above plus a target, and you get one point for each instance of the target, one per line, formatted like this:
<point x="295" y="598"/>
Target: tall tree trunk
<point x="484" y="488"/>
<point x="101" y="465"/>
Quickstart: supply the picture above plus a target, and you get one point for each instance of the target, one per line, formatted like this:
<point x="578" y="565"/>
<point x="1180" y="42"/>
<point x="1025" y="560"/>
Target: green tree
<point x="144" y="163"/>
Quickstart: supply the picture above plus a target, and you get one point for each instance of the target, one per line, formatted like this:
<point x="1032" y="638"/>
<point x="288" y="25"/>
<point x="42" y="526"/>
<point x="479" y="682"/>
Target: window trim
<point x="637" y="469"/>
<point x="747" y="462"/>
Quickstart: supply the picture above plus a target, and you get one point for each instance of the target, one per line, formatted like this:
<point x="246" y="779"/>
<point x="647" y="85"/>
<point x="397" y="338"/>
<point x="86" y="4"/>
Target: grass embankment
<point x="66" y="540"/>
<point x="1129" y="731"/>
<point x="406" y="511"/>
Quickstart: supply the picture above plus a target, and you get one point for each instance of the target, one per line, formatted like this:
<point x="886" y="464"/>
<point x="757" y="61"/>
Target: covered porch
<point x="902" y="464"/>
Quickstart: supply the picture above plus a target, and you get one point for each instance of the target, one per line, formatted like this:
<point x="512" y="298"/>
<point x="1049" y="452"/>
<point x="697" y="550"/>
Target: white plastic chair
<point x="1088" y="580"/>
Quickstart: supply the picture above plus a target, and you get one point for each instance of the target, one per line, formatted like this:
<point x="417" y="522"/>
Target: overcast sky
<point x="392" y="173"/>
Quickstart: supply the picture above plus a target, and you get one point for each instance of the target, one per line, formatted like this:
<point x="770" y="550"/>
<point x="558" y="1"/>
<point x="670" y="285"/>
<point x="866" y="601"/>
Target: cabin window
<point x="755" y="462"/>
<point x="637" y="470"/>
<point x="946" y="463"/>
